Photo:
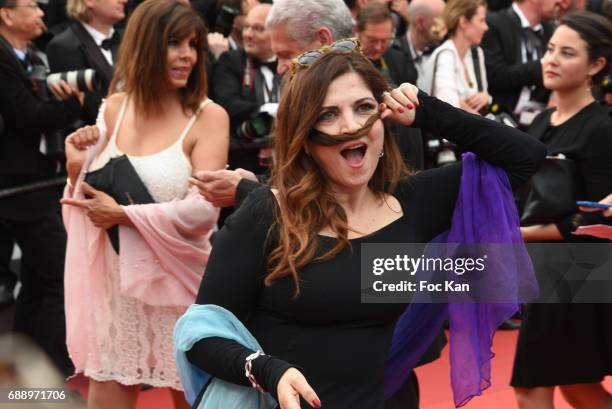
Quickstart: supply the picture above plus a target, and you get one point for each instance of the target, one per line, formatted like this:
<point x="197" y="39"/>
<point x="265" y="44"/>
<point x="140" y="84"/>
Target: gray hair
<point x="305" y="17"/>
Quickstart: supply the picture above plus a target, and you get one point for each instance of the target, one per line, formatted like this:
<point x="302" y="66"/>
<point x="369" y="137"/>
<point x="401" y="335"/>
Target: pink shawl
<point x="160" y="263"/>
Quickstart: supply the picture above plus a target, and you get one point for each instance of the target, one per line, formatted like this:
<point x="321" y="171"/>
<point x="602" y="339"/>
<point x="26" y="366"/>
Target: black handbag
<point x="119" y="180"/>
<point x="551" y="193"/>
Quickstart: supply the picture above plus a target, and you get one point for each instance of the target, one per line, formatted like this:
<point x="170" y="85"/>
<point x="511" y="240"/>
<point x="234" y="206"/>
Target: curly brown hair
<point x="306" y="202"/>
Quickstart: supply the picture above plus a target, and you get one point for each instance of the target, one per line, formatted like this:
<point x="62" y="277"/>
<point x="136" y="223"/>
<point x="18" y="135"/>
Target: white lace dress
<point x="136" y="345"/>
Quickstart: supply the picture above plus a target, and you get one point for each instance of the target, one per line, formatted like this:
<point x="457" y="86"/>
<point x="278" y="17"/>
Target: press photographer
<point x="89" y="42"/>
<point x="246" y="84"/>
<point x="29" y="205"/>
<point x="226" y="28"/>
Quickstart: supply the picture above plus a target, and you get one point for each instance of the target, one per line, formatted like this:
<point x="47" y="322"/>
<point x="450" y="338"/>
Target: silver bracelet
<point x="248" y="367"/>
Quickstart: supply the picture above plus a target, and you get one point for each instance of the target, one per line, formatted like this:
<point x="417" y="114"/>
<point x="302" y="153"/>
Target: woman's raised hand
<point x="400" y="103"/>
<point x="291" y="386"/>
<point x="83" y="137"/>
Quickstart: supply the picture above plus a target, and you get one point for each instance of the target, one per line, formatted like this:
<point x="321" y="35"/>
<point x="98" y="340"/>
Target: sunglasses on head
<point x="345" y="45"/>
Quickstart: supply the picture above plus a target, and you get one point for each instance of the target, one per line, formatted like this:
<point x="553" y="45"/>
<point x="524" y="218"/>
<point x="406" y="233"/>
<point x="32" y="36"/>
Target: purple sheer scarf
<point x="485" y="212"/>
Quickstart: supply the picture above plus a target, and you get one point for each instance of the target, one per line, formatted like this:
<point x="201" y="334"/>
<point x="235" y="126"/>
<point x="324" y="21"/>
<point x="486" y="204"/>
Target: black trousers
<point x="39" y="311"/>
<point x="407" y="397"/>
<point x="7" y="277"/>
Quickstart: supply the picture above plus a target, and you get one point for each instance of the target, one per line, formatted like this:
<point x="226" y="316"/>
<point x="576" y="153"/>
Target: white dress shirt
<point x="526" y="91"/>
<point x="98" y="37"/>
<point x="419" y="59"/>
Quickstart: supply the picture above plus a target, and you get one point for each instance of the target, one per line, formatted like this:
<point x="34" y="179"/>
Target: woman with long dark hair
<point x="287" y="263"/>
<point x="570" y="345"/>
<point x="124" y="296"/>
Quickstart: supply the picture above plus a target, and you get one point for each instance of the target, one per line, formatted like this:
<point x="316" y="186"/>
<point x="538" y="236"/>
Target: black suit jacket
<point x="506" y="73"/>
<point x="227" y="86"/>
<point x="401" y="68"/>
<point x="26" y="118"/>
<point x="75" y="49"/>
<point x="241" y="103"/>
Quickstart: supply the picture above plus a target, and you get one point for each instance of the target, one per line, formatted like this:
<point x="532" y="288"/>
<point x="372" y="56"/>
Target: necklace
<point x="466" y="75"/>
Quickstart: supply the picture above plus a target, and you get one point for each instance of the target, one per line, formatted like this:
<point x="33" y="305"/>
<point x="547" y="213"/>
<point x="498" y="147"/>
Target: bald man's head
<point x="255" y="35"/>
<point x="422" y="14"/>
<point x="431" y="8"/>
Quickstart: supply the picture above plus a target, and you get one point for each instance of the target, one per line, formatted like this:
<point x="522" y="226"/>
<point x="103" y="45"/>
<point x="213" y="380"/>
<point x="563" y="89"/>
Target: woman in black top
<point x="571" y="344"/>
<point x="287" y="263"/>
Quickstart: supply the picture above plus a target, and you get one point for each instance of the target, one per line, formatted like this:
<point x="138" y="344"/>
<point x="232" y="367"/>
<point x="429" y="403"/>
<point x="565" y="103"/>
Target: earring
<point x="381" y="154"/>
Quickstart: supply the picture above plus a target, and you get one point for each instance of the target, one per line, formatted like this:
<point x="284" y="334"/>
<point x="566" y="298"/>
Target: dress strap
<point x="124" y="103"/>
<point x="193" y="118"/>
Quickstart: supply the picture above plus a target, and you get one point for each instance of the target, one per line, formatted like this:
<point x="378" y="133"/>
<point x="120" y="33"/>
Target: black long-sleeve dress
<point x="563" y="344"/>
<point x="338" y="343"/>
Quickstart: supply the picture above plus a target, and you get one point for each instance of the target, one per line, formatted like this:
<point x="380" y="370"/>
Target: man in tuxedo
<point x="374" y="30"/>
<point x="245" y="83"/>
<point x="89" y="42"/>
<point x="513" y="47"/>
<point x="31" y="217"/>
<point x="419" y="42"/>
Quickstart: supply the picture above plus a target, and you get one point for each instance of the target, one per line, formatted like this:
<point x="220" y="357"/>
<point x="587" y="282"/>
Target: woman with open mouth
<point x="286" y="265"/>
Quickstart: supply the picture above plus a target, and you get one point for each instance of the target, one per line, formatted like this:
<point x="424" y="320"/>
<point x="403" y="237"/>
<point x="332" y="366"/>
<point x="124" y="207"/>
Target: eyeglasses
<point x="374" y="40"/>
<point x="258" y="28"/>
<point x="345" y="45"/>
<point x="33" y="6"/>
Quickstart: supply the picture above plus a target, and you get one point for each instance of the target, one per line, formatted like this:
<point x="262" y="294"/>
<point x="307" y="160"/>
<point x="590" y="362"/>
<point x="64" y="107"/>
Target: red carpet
<point x="434" y="380"/>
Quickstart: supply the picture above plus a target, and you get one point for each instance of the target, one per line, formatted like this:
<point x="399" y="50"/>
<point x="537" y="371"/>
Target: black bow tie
<point x="108" y="43"/>
<point x="534" y="41"/>
<point x="270" y="64"/>
<point x="426" y="52"/>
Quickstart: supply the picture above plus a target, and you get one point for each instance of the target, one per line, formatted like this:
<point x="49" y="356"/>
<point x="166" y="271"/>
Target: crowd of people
<point x="190" y="185"/>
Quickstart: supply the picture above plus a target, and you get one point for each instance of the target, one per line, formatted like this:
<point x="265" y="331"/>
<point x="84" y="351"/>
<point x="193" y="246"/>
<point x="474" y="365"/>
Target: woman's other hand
<point x="606" y="212"/>
<point x="102" y="210"/>
<point x="400" y="103"/>
<point x="478" y="101"/>
<point x="291" y="386"/>
<point x="607" y="200"/>
<point x="219" y="186"/>
<point x="467" y="107"/>
<point x="540" y="232"/>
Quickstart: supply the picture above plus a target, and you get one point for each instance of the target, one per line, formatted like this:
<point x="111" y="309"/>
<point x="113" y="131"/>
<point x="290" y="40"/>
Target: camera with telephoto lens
<point x="257" y="127"/>
<point x="225" y="20"/>
<point x="83" y="80"/>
